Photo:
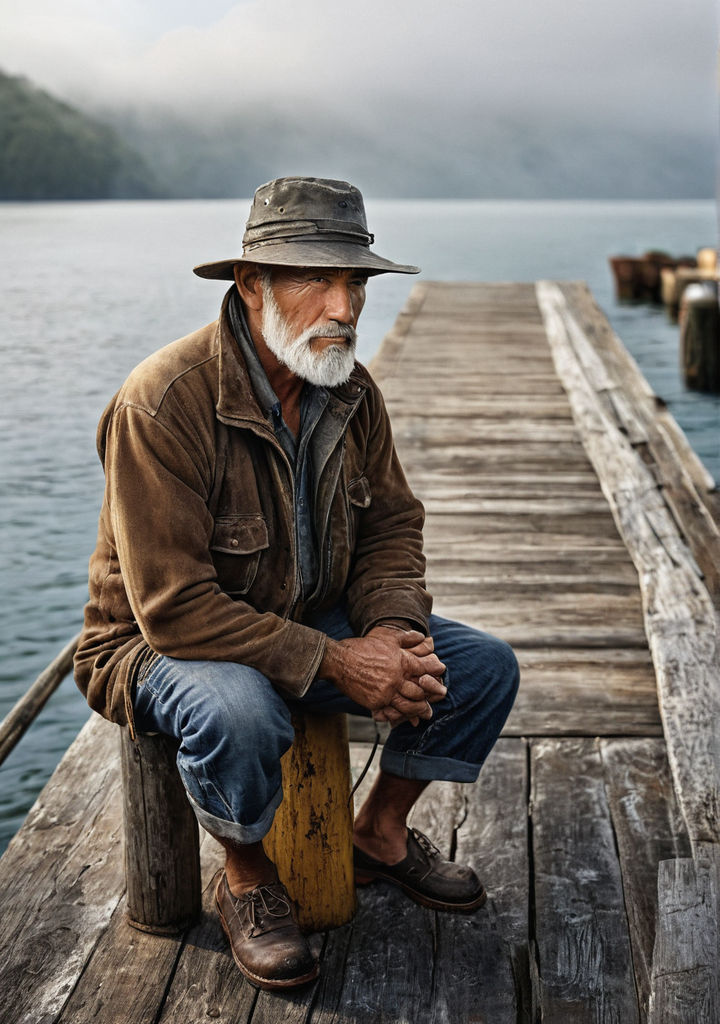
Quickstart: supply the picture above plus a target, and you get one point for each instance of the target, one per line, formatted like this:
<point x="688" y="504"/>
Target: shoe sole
<point x="365" y="877"/>
<point x="256" y="979"/>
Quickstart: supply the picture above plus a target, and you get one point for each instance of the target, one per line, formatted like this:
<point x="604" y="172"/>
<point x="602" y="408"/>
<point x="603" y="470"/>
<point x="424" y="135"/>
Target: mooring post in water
<point x="162" y="858"/>
<point x="700" y="337"/>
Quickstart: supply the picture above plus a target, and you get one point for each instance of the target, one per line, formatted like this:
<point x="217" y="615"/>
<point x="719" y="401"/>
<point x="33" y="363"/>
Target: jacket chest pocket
<point x="236" y="545"/>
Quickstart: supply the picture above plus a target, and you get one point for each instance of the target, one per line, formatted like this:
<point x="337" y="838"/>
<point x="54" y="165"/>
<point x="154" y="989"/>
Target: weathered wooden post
<point x="700" y="337"/>
<point x="669" y="290"/>
<point x="650" y="266"/>
<point x="626" y="275"/>
<point x="310" y="841"/>
<point x="311" y="838"/>
<point x="162" y="859"/>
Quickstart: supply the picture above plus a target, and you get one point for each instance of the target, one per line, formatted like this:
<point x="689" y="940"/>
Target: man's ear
<point x="249" y="284"/>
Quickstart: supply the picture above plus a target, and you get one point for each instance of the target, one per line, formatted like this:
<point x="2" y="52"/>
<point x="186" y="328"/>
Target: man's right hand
<point x="388" y="672"/>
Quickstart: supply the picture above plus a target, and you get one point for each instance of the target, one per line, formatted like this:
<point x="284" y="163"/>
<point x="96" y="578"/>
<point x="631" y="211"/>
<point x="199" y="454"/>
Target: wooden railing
<point x="16" y="722"/>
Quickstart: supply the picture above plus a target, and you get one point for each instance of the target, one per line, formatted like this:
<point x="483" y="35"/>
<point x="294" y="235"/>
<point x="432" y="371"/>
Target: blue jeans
<point x="234" y="727"/>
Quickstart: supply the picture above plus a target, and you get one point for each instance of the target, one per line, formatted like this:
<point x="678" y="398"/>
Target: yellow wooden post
<point x="311" y="838"/>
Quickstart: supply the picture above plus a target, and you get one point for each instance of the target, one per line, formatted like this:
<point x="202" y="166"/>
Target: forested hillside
<point x="49" y="150"/>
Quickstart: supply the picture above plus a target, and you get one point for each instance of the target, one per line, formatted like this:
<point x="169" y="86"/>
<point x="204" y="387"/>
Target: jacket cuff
<point x="401" y="624"/>
<point x="311" y="671"/>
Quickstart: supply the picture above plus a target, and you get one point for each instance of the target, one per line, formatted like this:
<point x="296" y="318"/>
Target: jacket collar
<point x="237" y="402"/>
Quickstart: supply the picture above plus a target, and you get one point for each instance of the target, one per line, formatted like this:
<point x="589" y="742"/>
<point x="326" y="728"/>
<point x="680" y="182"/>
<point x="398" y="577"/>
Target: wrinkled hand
<point x="426" y="646"/>
<point x="393" y="673"/>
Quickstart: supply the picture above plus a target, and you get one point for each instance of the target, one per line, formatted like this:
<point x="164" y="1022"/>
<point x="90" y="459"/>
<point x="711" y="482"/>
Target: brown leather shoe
<point x="266" y="943"/>
<point x="425" y="876"/>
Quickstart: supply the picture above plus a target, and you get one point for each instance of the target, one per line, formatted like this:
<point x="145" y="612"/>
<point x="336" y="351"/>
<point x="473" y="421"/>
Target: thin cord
<point x="367" y="764"/>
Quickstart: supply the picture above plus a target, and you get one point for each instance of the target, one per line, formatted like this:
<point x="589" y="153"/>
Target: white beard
<point x="328" y="368"/>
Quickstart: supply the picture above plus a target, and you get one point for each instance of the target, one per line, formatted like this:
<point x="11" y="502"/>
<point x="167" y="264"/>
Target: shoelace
<point x="425" y="844"/>
<point x="428" y="848"/>
<point x="260" y="903"/>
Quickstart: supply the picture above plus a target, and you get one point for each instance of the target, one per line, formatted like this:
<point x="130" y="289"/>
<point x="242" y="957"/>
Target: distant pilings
<point x="688" y="288"/>
<point x="639" y="278"/>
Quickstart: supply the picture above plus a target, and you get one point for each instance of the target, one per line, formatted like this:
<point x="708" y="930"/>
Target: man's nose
<point x="339" y="303"/>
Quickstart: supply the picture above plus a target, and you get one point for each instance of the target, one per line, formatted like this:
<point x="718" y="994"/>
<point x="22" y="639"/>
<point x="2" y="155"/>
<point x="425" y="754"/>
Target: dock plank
<point x="61" y="879"/>
<point x="685" y="976"/>
<point x="686" y="482"/>
<point x="593" y="526"/>
<point x="582" y="932"/>
<point x="486" y="954"/>
<point x="524" y="624"/>
<point x="584" y="700"/>
<point x="648" y="829"/>
<point x="372" y="970"/>
<point x="206" y="984"/>
<point x="126" y="980"/>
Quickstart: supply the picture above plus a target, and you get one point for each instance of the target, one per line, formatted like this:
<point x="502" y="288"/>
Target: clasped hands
<point x="392" y="672"/>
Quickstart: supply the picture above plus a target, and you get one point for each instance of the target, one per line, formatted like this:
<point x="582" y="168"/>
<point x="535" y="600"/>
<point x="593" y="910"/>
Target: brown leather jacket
<point x="195" y="554"/>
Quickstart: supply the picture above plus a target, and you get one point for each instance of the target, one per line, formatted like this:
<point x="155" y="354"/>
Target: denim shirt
<point x="312" y="404"/>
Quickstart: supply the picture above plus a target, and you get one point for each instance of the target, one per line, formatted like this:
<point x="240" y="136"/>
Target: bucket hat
<point x="307" y="222"/>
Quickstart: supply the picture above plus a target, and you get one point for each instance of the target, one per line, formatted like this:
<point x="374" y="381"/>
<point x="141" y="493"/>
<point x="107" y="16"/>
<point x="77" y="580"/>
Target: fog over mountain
<point x="511" y="156"/>
<point x="48" y="150"/>
<point x="483" y="98"/>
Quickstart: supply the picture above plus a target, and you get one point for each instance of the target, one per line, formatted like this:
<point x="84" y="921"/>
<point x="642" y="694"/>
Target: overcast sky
<point x="636" y="61"/>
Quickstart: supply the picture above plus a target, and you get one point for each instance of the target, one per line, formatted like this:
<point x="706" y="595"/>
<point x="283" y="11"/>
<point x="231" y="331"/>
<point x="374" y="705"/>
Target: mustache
<point x="332" y="330"/>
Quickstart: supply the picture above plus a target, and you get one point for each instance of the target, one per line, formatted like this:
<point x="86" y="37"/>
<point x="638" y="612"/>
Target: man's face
<point x="309" y="317"/>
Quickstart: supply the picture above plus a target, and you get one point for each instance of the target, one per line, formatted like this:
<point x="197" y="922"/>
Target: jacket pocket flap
<point x="239" y="535"/>
<point x="359" y="492"/>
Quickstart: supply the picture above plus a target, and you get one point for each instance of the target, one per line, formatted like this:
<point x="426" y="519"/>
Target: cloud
<point x="630" y="60"/>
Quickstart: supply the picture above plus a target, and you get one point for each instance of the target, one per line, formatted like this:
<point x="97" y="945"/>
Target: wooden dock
<point x="565" y="513"/>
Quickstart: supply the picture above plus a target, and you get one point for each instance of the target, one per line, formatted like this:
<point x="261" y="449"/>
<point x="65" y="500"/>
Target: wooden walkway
<point x="579" y="809"/>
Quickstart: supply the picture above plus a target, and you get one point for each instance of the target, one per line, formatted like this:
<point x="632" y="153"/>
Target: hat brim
<point x="343" y="255"/>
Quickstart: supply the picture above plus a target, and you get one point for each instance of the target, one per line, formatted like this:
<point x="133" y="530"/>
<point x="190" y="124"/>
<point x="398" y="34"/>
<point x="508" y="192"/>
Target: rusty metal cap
<point x="307" y="222"/>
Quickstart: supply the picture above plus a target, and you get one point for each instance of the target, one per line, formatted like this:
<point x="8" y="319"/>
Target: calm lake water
<point x="87" y="290"/>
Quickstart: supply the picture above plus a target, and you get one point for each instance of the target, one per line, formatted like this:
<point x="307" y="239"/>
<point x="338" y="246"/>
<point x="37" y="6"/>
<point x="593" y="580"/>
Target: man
<point x="259" y="545"/>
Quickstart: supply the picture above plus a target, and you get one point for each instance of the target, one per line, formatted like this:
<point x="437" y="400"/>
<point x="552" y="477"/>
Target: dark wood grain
<point x="485" y="955"/>
<point x="126" y="979"/>
<point x="61" y="879"/>
<point x="648" y="828"/>
<point x="162" y="861"/>
<point x="582" y="932"/>
<point x="685" y="975"/>
<point x="206" y="984"/>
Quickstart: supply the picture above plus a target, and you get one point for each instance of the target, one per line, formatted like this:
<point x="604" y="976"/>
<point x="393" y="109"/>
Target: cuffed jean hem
<point x="408" y="765"/>
<point x="221" y="828"/>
